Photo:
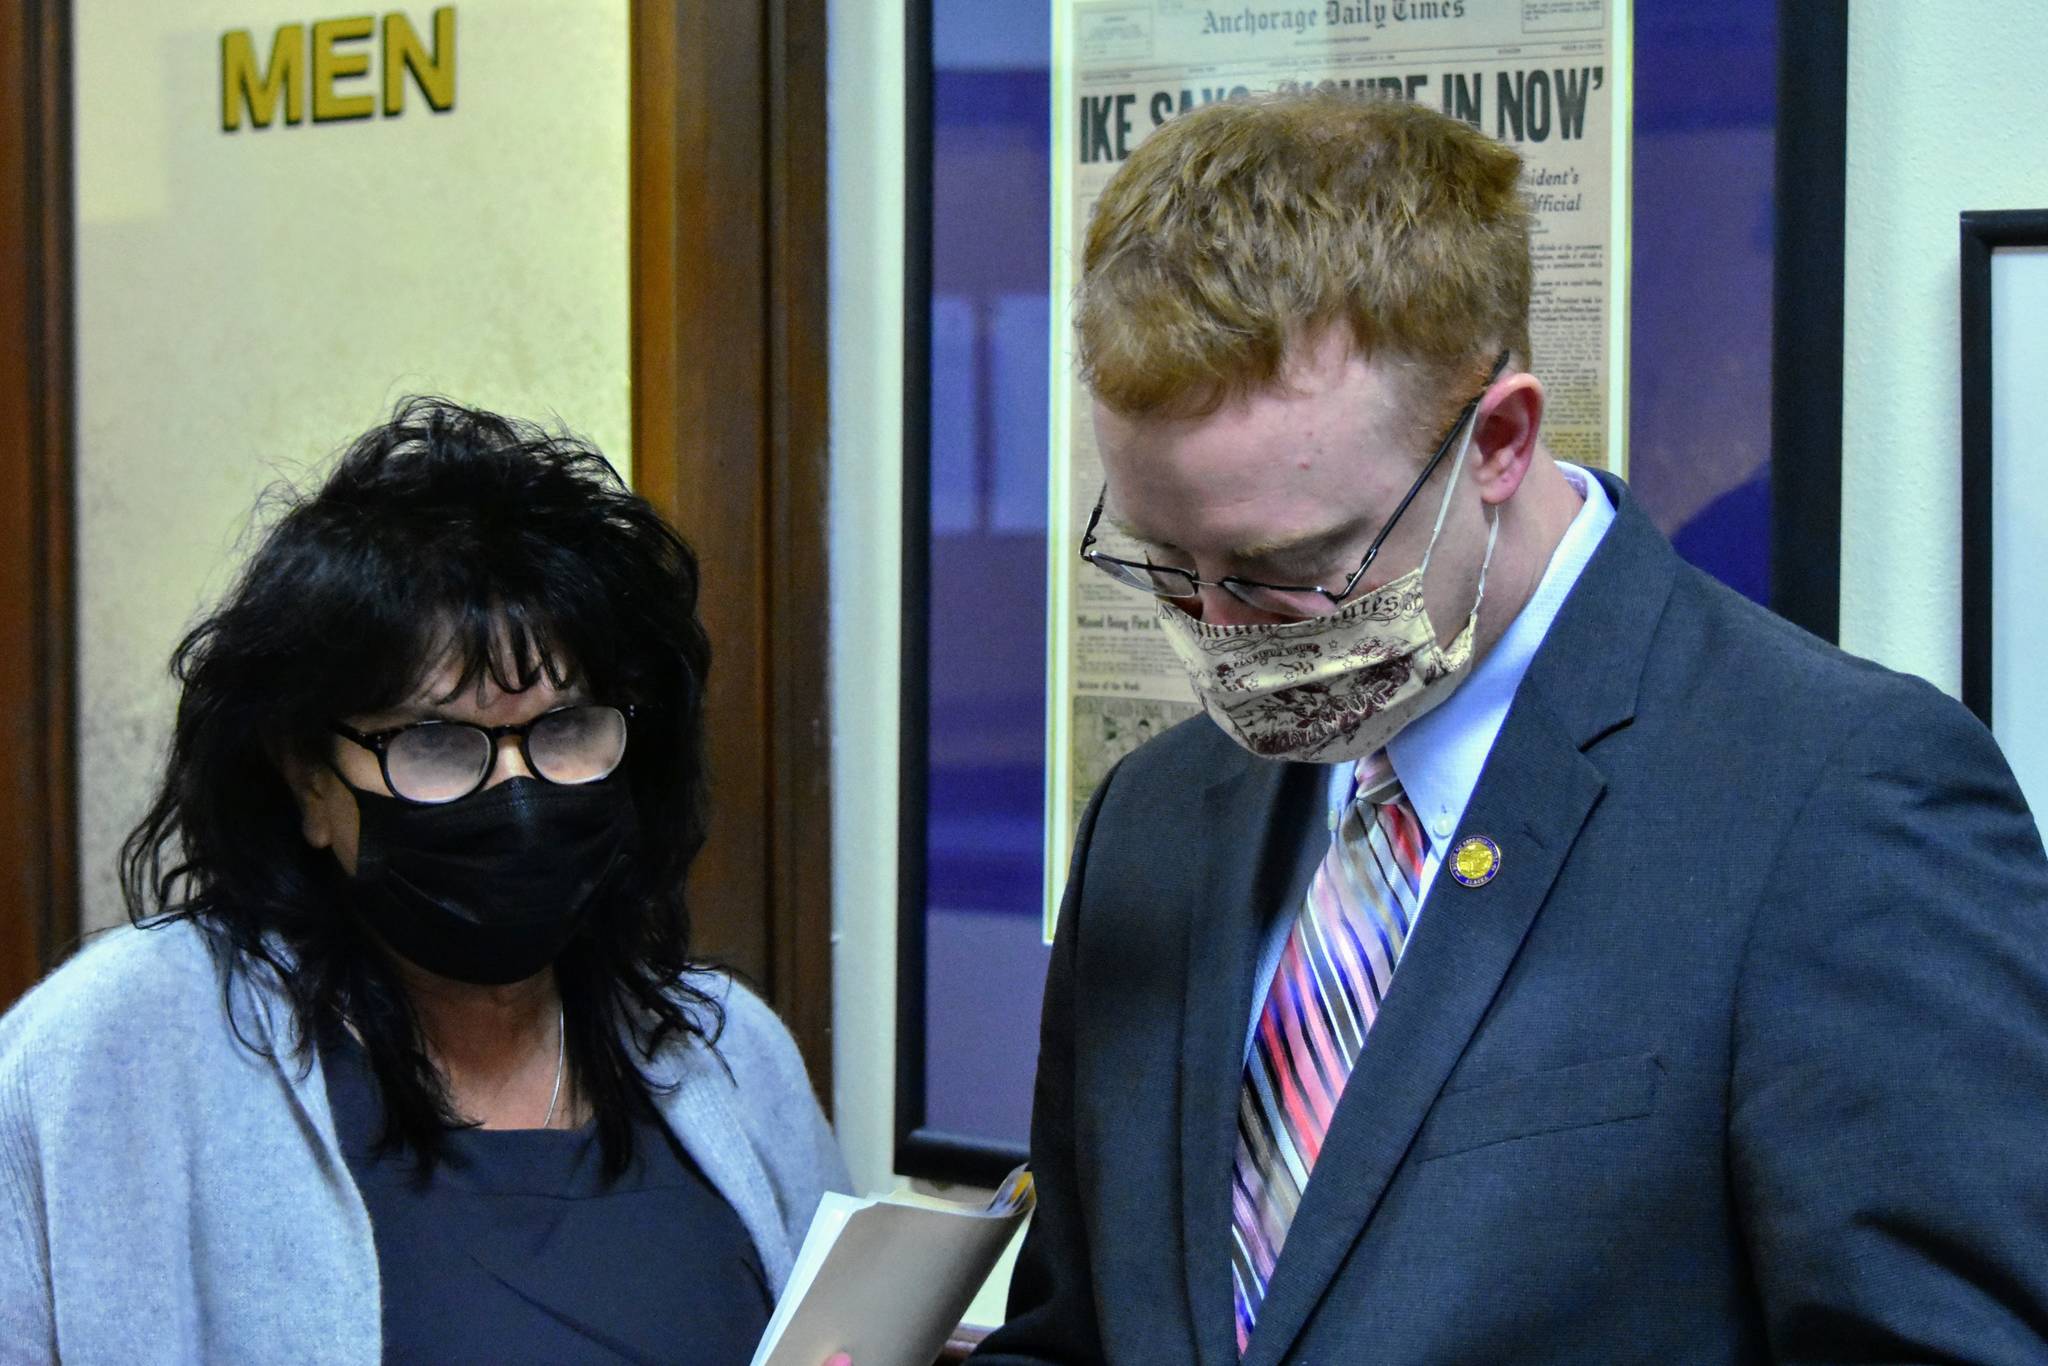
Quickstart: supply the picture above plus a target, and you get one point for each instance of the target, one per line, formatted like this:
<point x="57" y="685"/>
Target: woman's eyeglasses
<point x="432" y="762"/>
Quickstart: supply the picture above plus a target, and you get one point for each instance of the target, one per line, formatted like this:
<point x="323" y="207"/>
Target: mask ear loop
<point x="1492" y="535"/>
<point x="1443" y="508"/>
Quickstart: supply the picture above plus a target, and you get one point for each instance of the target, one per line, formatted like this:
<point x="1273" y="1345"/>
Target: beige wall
<point x="1947" y="111"/>
<point x="249" y="301"/>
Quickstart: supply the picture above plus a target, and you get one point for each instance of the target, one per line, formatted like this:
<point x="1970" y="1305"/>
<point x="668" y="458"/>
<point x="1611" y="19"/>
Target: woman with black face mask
<point x="406" y="1057"/>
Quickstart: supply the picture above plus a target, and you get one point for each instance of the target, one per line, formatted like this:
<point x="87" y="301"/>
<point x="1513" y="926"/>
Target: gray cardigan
<point x="169" y="1195"/>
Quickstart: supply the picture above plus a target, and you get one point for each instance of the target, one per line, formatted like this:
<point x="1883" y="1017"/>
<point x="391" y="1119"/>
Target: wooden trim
<point x="799" y="334"/>
<point x="38" y="810"/>
<point x="699" y="380"/>
<point x="729" y="335"/>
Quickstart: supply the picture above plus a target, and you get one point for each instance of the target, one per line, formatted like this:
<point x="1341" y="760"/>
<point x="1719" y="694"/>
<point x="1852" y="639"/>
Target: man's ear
<point x="313" y="786"/>
<point x="1510" y="421"/>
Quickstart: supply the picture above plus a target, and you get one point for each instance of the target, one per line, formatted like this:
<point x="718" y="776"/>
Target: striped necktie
<point x="1336" y="966"/>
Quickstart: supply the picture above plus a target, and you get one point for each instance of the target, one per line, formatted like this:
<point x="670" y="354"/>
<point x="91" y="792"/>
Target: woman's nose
<point x="508" y="763"/>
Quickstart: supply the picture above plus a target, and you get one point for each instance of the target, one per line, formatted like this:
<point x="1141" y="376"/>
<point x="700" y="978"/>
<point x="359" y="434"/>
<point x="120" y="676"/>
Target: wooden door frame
<point x="730" y="346"/>
<point x="38" y="618"/>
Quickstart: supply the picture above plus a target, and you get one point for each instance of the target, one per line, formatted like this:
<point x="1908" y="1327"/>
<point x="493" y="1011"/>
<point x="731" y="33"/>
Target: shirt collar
<point x="1440" y="754"/>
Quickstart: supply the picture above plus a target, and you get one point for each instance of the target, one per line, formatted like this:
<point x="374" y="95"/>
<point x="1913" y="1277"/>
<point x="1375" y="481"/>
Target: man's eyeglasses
<point x="432" y="762"/>
<point x="1297" y="600"/>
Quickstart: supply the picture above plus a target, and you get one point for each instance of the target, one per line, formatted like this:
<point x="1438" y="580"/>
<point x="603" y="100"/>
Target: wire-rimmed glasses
<point x="1288" y="600"/>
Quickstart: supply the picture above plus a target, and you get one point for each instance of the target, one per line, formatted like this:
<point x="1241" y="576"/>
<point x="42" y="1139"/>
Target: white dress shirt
<point x="1439" y="755"/>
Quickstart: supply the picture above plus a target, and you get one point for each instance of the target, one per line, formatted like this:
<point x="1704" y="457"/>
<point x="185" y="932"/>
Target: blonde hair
<point x="1242" y="226"/>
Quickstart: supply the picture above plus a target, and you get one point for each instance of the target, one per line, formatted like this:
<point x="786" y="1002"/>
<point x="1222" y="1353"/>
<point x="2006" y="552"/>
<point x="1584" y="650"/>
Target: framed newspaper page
<point x="2004" y="258"/>
<point x="1549" y="77"/>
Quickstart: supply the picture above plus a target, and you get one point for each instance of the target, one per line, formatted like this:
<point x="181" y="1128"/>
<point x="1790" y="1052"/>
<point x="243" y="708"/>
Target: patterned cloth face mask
<point x="1336" y="688"/>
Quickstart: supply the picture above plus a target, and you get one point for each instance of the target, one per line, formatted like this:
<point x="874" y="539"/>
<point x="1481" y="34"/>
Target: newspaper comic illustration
<point x="1550" y="77"/>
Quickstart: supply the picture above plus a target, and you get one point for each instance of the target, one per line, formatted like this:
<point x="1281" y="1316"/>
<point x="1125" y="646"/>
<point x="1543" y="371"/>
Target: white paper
<point x="886" y="1279"/>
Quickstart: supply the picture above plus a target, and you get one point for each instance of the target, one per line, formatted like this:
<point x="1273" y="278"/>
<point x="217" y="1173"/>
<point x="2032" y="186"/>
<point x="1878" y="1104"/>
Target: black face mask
<point x="491" y="888"/>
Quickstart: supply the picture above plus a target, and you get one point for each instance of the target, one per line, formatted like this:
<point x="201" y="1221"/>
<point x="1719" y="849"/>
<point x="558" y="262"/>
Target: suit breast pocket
<point x="1575" y="1097"/>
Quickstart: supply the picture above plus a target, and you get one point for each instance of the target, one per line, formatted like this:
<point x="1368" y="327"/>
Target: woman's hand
<point x="839" y="1359"/>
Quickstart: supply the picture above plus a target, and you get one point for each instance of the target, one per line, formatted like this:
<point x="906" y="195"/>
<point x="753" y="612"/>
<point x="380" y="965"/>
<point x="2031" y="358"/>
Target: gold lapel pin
<point x="1475" y="861"/>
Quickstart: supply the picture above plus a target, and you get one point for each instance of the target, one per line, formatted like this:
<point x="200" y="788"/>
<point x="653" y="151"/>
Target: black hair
<point x="445" y="535"/>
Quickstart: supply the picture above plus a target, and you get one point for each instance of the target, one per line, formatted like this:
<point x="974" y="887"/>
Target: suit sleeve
<point x="1052" y="1293"/>
<point x="1889" y="1089"/>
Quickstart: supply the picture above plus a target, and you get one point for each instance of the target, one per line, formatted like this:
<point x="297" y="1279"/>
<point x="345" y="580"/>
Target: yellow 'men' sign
<point x="324" y="55"/>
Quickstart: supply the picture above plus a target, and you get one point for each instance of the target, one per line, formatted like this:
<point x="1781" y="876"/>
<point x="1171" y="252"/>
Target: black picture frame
<point x="1981" y="233"/>
<point x="1806" y="475"/>
<point x="921" y="1150"/>
<point x="1806" y="298"/>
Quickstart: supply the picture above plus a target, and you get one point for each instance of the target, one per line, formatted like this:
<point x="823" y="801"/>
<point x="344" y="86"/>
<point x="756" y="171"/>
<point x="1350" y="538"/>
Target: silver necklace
<point x="561" y="1056"/>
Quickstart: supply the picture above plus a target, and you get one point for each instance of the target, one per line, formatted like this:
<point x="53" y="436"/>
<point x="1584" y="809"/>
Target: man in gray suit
<point x="1720" y="1025"/>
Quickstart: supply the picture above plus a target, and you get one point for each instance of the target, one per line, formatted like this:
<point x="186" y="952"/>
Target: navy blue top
<point x="518" y="1250"/>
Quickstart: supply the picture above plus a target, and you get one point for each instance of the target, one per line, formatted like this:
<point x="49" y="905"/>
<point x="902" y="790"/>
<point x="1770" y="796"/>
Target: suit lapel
<point x="1278" y="809"/>
<point x="1537" y="790"/>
